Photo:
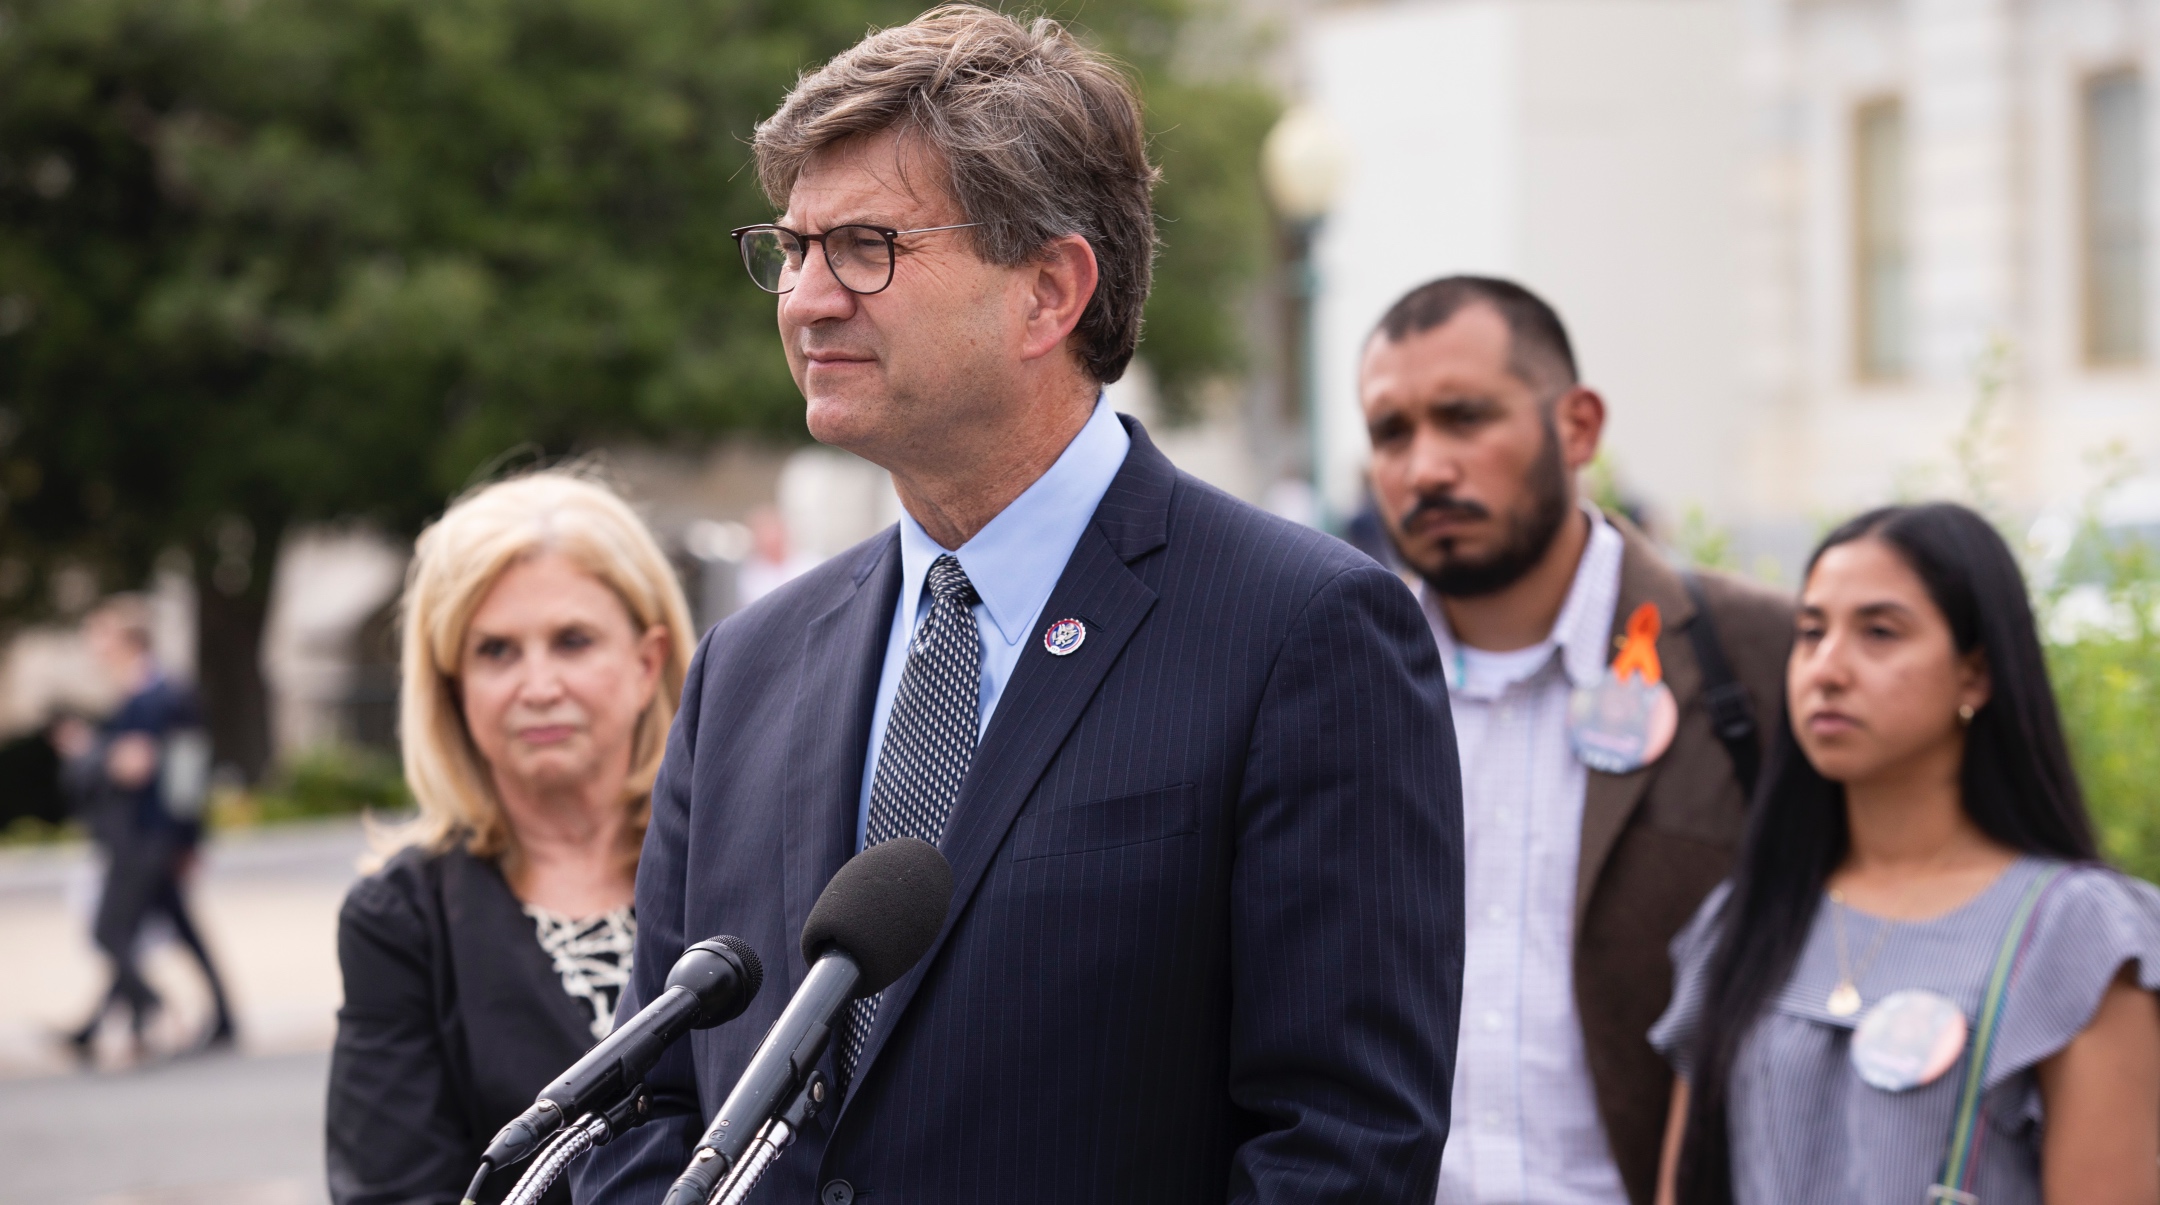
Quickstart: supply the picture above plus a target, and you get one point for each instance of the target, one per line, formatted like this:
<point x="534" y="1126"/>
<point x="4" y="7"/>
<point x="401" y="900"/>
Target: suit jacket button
<point x="837" y="1192"/>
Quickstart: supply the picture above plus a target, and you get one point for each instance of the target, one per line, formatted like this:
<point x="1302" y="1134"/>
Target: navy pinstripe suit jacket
<point x="1206" y="936"/>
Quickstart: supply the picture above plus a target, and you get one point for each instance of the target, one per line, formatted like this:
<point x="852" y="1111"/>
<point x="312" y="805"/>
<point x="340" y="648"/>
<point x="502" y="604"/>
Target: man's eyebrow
<point x="850" y="220"/>
<point x="1475" y="401"/>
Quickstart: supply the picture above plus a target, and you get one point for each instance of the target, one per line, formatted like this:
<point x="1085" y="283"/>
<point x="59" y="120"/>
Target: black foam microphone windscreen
<point x="883" y="908"/>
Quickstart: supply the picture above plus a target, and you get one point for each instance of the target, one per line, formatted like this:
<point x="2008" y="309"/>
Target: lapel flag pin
<point x="1064" y="636"/>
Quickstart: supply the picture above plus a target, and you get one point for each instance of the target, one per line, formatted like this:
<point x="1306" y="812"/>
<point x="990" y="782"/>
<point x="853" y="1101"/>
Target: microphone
<point x="874" y="921"/>
<point x="712" y="982"/>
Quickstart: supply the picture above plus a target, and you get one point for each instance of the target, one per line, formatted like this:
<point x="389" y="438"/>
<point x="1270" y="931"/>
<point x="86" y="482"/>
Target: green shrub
<point x="333" y="781"/>
<point x="2107" y="682"/>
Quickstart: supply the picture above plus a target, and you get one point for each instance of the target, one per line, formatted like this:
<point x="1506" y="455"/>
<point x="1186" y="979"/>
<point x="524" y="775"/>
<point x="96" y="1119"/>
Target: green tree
<point x="265" y="262"/>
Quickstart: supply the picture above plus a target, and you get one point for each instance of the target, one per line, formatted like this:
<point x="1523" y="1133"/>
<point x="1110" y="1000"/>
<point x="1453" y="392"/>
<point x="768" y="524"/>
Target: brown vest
<point x="1654" y="842"/>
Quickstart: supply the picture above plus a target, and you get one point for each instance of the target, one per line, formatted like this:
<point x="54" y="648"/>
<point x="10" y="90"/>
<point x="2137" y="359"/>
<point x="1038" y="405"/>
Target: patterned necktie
<point x="929" y="741"/>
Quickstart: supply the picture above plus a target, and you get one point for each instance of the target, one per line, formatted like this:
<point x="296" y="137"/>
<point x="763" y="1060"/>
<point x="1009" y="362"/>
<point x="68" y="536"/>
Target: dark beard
<point x="1531" y="529"/>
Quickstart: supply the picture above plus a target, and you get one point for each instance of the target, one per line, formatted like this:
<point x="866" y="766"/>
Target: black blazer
<point x="1206" y="936"/>
<point x="453" y="1020"/>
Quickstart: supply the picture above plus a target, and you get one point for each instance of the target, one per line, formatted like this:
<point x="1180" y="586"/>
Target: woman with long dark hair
<point x="1919" y="984"/>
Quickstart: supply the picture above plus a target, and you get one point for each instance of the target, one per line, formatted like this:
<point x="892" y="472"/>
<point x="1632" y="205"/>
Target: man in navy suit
<point x="1192" y="765"/>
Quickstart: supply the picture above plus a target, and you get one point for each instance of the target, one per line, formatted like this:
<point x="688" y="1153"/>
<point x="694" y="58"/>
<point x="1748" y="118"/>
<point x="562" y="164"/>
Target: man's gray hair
<point x="1038" y="137"/>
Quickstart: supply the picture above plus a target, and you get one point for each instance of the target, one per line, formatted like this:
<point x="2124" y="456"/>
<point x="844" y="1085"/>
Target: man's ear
<point x="1579" y="421"/>
<point x="1061" y="281"/>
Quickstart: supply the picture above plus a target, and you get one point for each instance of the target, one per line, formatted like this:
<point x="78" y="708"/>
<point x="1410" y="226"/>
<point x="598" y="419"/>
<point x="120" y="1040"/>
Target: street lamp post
<point x="1303" y="164"/>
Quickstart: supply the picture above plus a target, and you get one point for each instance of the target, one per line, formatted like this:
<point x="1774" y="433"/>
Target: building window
<point x="1883" y="302"/>
<point x="2114" y="252"/>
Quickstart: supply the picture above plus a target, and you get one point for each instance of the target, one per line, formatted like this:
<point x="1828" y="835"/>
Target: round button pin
<point x="1064" y="636"/>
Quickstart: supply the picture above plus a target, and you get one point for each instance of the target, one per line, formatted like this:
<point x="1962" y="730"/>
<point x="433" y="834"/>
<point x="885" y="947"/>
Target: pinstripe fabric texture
<point x="928" y="745"/>
<point x="1206" y="935"/>
<point x="1806" y="1130"/>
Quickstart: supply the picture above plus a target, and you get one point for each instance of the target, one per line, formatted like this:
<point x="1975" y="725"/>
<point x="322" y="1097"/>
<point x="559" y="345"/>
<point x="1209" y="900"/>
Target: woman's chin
<point x="550" y="772"/>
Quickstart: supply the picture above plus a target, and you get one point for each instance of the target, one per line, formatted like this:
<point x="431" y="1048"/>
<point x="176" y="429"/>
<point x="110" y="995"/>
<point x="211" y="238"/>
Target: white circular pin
<point x="1908" y="1039"/>
<point x="1064" y="636"/>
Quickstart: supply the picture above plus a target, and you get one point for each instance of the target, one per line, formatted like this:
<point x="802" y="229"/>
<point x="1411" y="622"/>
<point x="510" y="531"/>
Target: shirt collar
<point x="1015" y="561"/>
<point x="1584" y="626"/>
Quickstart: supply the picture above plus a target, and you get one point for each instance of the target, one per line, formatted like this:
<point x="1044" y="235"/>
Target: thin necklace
<point x="1844" y="999"/>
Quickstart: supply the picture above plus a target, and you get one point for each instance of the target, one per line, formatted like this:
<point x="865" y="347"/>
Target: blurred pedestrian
<point x="773" y="561"/>
<point x="141" y="780"/>
<point x="1918" y="976"/>
<point x="545" y="645"/>
<point x="1603" y="704"/>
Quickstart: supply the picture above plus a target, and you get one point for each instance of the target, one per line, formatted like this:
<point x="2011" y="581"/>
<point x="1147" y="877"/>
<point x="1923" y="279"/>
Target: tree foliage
<point x="274" y="260"/>
<point x="271" y="261"/>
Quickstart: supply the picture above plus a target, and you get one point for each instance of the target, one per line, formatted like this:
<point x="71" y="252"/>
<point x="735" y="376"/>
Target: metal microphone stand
<point x="580" y="1136"/>
<point x="775" y="1136"/>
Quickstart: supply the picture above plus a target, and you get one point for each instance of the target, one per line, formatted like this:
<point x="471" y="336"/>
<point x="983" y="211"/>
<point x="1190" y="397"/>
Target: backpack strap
<point x="1955" y="1183"/>
<point x="1732" y="717"/>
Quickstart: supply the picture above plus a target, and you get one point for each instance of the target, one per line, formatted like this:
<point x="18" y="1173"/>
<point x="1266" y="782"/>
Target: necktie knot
<point x="949" y="582"/>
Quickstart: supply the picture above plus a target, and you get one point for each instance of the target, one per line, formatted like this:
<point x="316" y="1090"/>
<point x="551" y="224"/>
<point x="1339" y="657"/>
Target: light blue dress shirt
<point x="1014" y="562"/>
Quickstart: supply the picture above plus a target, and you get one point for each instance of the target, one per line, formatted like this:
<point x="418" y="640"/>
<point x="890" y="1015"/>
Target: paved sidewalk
<point x="267" y="903"/>
<point x="223" y="1130"/>
<point x="239" y="1128"/>
<point x="214" y="1131"/>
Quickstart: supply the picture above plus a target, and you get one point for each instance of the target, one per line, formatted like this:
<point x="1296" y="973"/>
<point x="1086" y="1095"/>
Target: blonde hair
<point x="456" y="561"/>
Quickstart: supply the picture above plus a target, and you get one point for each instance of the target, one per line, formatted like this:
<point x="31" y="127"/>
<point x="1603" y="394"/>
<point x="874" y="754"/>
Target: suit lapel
<point x="1047" y="695"/>
<point x="1609" y="800"/>
<point x="843" y="655"/>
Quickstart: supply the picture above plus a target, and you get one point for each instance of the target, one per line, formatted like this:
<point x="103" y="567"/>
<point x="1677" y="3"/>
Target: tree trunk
<point x="232" y="601"/>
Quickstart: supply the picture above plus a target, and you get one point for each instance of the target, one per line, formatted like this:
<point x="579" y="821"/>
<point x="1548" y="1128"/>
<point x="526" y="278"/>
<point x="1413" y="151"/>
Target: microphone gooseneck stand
<point x="777" y="1135"/>
<point x="553" y="1161"/>
<point x="589" y="1131"/>
<point x="783" y="1068"/>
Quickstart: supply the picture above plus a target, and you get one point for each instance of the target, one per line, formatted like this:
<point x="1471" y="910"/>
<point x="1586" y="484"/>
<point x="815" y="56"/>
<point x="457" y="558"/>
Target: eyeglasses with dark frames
<point x="861" y="257"/>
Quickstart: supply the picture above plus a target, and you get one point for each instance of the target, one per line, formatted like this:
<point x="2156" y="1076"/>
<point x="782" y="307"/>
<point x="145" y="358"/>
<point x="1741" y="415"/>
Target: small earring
<point x="1965" y="713"/>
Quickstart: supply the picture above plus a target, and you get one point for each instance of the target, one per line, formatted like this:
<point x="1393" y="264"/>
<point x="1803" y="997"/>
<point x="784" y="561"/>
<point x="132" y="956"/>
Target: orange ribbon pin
<point x="1638" y="653"/>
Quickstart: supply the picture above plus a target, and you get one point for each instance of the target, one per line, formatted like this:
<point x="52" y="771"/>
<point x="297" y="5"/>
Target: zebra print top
<point x="592" y="954"/>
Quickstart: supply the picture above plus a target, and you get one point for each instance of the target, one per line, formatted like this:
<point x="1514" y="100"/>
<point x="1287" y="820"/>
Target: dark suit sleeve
<point x="1347" y="897"/>
<point x="640" y="1165"/>
<point x="396" y="1134"/>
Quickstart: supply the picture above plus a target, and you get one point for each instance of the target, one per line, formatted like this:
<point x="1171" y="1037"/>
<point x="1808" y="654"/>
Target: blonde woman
<point x="545" y="644"/>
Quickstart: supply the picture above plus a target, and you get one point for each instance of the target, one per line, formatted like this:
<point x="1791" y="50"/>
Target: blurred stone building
<point x="1937" y="192"/>
<point x="1793" y="238"/>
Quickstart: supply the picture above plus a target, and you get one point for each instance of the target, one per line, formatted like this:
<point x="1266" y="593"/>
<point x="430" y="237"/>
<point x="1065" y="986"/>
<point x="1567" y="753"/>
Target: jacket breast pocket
<point x="1108" y="823"/>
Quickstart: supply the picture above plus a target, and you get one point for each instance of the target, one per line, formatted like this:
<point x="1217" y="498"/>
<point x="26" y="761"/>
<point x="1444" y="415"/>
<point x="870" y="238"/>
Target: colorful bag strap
<point x="1955" y="1182"/>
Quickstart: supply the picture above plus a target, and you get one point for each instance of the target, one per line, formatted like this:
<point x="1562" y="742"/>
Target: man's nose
<point x="1434" y="465"/>
<point x="818" y="295"/>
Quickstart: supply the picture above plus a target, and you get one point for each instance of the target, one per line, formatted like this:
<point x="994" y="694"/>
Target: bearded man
<point x="1605" y="708"/>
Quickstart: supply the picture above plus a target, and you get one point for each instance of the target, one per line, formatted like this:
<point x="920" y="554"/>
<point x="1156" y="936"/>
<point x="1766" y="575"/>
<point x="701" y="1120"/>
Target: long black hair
<point x="2016" y="780"/>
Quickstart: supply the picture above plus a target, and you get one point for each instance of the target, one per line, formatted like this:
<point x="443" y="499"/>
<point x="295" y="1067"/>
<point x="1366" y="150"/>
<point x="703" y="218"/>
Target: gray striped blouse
<point x="1805" y="1128"/>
